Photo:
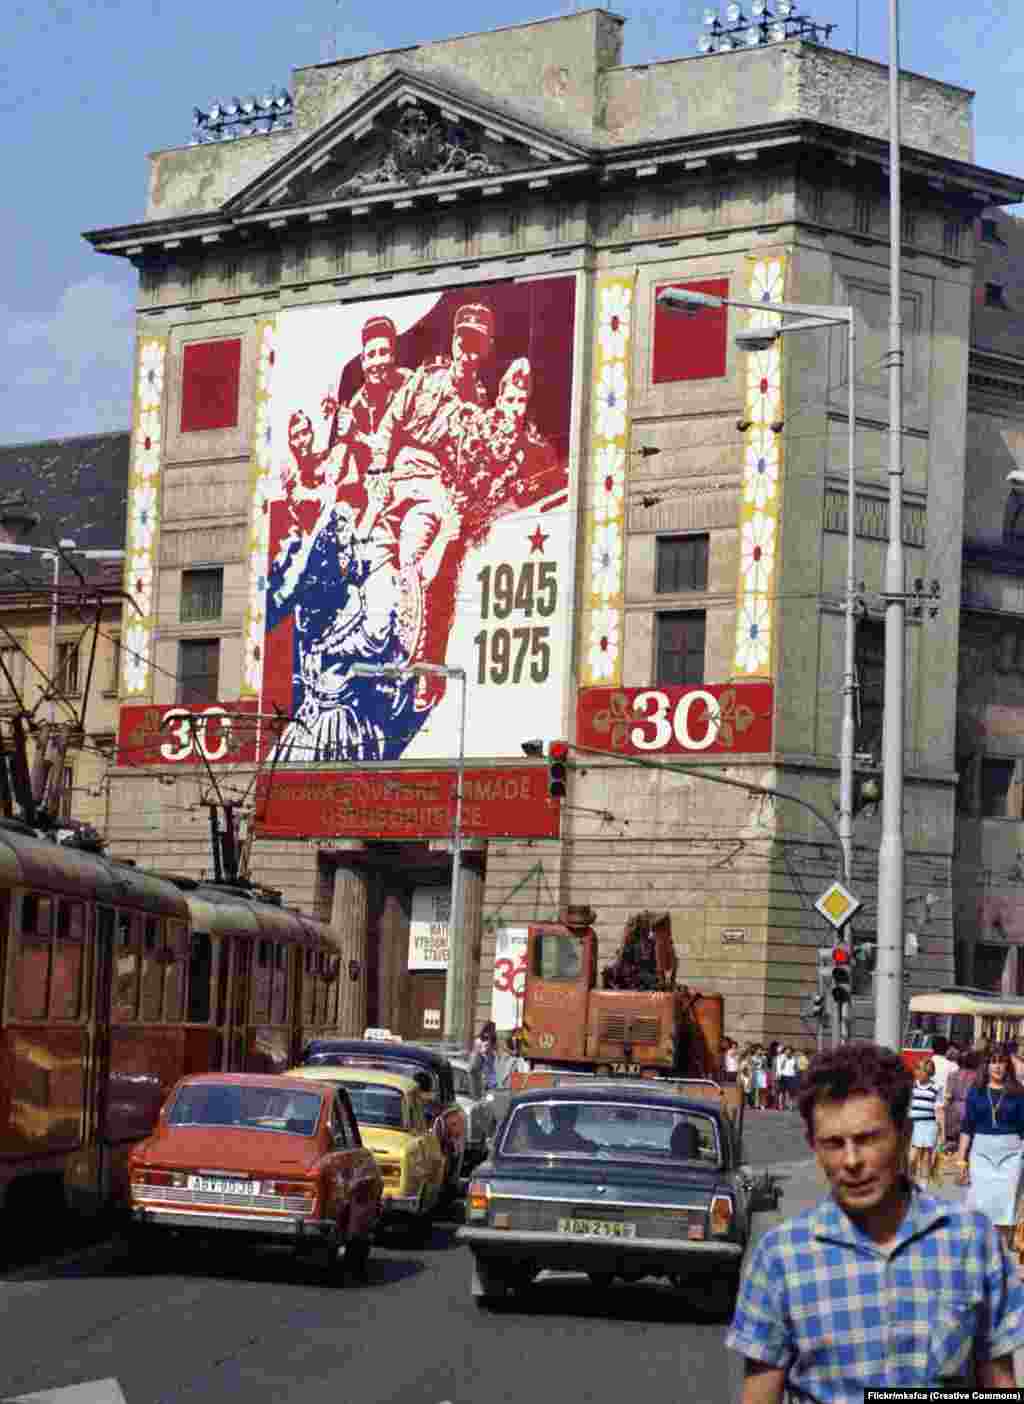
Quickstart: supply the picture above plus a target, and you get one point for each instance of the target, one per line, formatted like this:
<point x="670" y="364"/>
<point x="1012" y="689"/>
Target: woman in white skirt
<point x="992" y="1130"/>
<point x="924" y="1126"/>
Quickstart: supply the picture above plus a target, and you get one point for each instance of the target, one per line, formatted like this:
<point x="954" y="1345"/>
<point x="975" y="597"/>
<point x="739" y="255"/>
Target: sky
<point x="91" y="87"/>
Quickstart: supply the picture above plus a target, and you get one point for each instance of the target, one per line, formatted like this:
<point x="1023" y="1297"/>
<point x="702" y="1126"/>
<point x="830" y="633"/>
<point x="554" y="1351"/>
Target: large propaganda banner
<point x="419" y="513"/>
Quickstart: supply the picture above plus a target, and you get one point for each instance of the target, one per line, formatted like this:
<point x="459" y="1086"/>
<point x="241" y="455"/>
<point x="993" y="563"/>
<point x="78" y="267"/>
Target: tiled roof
<point x="78" y="487"/>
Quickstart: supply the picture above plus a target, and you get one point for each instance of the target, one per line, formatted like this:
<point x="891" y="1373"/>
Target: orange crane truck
<point x="640" y="1023"/>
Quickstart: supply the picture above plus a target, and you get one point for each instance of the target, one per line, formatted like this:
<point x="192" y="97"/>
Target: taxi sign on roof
<point x="837" y="905"/>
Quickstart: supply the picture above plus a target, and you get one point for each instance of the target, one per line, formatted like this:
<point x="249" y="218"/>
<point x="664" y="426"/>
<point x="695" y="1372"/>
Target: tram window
<point x="279" y="1000"/>
<point x="125" y="1002"/>
<point x="32" y="974"/>
<point x="153" y="967"/>
<point x="309" y="987"/>
<point x="200" y="968"/>
<point x="261" y="982"/>
<point x="962" y="1030"/>
<point x="174" y="983"/>
<point x="68" y="962"/>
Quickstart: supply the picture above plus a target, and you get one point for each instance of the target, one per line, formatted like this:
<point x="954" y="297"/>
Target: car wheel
<point x="601" y="1279"/>
<point x="357" y="1257"/>
<point x="487" y="1288"/>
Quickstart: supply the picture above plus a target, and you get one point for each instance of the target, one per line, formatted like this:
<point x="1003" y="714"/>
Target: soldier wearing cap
<point x="417" y="444"/>
<point x="361" y="417"/>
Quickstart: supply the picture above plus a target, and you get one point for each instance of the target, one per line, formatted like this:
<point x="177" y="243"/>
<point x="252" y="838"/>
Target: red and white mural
<point x="411" y="505"/>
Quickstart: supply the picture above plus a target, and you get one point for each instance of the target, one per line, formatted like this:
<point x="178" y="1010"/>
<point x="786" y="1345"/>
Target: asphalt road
<point x="204" y="1327"/>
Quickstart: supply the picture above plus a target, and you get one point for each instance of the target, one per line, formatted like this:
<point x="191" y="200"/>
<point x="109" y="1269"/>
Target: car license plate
<point x="211" y="1186"/>
<point x="596" y="1228"/>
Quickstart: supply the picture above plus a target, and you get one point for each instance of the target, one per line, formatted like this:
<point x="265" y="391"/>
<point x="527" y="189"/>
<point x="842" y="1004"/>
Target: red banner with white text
<point x="188" y="735"/>
<point x="673" y="721"/>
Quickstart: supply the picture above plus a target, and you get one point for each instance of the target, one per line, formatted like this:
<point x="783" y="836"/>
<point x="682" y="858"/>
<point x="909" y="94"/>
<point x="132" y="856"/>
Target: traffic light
<point x="558" y="755"/>
<point x="842" y="980"/>
<point x="864" y="955"/>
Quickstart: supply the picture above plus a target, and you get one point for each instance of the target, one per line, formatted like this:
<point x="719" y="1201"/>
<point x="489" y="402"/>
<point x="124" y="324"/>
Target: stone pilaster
<point x="472" y="935"/>
<point x="349" y="921"/>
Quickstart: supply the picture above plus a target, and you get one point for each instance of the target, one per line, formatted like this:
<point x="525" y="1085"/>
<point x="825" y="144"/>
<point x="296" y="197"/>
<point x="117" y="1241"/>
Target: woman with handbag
<point x="992" y="1131"/>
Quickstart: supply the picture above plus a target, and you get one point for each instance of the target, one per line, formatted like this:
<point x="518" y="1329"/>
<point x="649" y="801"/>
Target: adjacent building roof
<point x="78" y="487"/>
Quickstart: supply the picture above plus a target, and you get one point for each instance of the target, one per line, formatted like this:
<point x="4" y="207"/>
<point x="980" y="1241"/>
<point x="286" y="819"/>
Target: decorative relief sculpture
<point x="423" y="147"/>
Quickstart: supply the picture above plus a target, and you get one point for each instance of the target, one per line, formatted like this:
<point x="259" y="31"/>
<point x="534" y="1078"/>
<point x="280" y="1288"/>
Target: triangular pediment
<point x="410" y="135"/>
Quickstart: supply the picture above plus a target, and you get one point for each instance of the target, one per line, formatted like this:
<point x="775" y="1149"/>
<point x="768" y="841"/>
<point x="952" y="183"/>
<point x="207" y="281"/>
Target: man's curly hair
<point x="856" y="1069"/>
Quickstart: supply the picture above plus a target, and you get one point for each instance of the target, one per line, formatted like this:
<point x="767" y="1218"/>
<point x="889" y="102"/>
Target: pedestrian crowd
<point x="769" y="1075"/>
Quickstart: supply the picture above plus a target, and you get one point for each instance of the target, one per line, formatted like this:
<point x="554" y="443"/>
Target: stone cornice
<point x="971" y="187"/>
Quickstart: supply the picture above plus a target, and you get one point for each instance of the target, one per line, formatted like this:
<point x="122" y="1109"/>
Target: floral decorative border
<point x="143" y="527"/>
<point x="261" y="493"/>
<point x="762" y="481"/>
<point x="606" y="519"/>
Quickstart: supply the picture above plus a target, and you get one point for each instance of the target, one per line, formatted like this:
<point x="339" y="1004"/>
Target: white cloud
<point x="71" y="372"/>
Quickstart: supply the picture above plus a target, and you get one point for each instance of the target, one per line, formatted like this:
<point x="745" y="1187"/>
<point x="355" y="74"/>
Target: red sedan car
<point x="271" y="1158"/>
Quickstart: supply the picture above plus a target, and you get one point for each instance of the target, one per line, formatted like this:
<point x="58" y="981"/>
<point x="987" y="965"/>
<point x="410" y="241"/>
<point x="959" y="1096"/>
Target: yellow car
<point x="393" y="1126"/>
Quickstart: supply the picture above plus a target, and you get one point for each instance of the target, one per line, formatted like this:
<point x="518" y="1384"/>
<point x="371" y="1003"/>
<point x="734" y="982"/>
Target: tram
<point x="963" y="1016"/>
<point x="114" y="983"/>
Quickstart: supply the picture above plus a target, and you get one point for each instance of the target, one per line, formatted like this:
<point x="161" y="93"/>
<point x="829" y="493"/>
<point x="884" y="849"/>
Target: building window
<point x="114" y="673"/>
<point x="952" y="234"/>
<point x="681" y="564"/>
<point x="997" y="789"/>
<point x="870" y="667"/>
<point x="680" y="648"/>
<point x="67" y="668"/>
<point x="67" y="791"/>
<point x="909" y="222"/>
<point x="10" y="680"/>
<point x="862" y="208"/>
<point x="202" y="595"/>
<point x="995" y="295"/>
<point x="198" y="670"/>
<point x="1013" y="518"/>
<point x="989" y="231"/>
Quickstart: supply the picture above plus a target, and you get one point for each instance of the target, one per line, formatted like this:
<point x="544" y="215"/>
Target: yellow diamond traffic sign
<point x="837" y="904"/>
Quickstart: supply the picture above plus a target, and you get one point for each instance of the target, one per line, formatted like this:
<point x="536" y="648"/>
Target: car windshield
<point x="423" y="1077"/>
<point x="250" y="1108"/>
<point x="612" y="1132"/>
<point x="374" y="1105"/>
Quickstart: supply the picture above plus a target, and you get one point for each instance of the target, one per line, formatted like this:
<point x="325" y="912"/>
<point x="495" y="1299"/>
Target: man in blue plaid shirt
<point x="880" y="1285"/>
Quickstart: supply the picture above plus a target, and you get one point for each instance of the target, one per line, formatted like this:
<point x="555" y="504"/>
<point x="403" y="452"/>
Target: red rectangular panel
<point x="677" y="721"/>
<point x="210" y="372"/>
<point x="690" y="348"/>
<point x="407" y="804"/>
<point x="222" y="731"/>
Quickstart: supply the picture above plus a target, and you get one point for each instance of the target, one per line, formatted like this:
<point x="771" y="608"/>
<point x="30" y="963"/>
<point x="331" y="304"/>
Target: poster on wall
<point x="509" y="977"/>
<point x="418" y="499"/>
<point x="428" y="928"/>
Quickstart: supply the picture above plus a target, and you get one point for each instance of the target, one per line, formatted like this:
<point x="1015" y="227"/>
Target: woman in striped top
<point x="924" y="1125"/>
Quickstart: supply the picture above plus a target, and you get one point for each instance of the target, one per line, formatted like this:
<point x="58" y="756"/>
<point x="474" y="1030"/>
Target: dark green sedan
<point x="615" y="1180"/>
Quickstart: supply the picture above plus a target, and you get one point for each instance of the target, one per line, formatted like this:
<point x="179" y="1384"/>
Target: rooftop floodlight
<point x="706" y="44"/>
<point x="710" y="17"/>
<point x="733" y="13"/>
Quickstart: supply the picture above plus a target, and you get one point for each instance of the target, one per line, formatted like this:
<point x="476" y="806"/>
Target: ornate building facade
<point x="405" y="400"/>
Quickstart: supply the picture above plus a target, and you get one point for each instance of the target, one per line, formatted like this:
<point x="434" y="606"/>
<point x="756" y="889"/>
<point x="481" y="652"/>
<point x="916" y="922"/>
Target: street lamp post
<point x="455" y="1030"/>
<point x="810" y="318"/>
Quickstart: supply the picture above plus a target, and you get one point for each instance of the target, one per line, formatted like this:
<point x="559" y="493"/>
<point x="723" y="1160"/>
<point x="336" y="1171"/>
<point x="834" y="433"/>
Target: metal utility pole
<point x="847" y="735"/>
<point x="455" y="1029"/>
<point x="889" y="964"/>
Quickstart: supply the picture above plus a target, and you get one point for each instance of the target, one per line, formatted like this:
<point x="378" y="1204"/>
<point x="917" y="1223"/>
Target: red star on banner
<point x="537" y="541"/>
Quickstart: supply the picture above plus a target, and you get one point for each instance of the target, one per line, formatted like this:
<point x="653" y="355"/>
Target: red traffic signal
<point x="558" y="755"/>
<point x="842" y="976"/>
<point x="840" y="955"/>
